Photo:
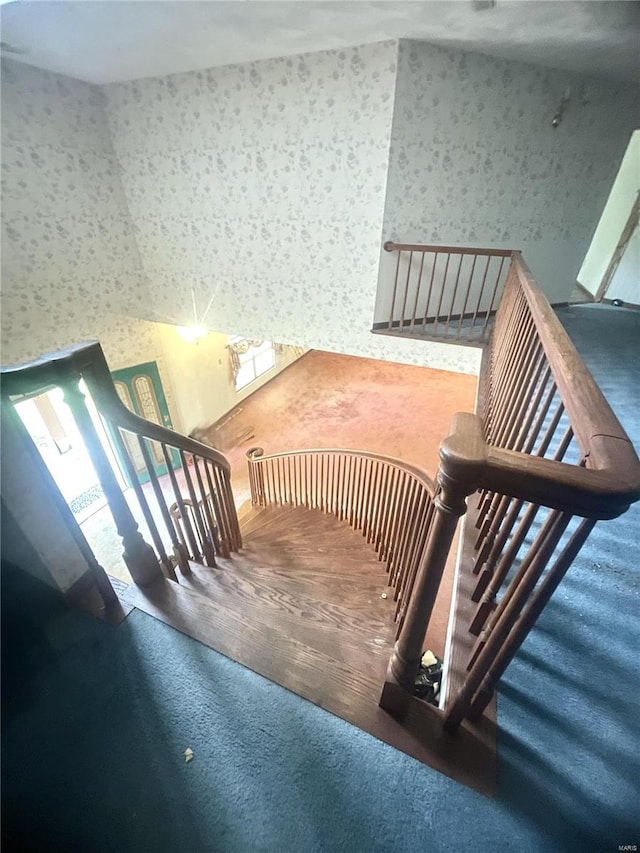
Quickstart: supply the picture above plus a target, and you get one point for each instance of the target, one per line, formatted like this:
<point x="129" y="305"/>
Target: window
<point x="254" y="362"/>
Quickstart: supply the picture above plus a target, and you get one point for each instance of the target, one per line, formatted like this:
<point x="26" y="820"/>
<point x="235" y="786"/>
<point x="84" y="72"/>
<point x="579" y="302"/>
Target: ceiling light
<point x="191" y="334"/>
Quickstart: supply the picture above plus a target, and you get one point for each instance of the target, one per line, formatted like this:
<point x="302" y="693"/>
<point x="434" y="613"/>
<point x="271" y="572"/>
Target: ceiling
<point x="107" y="41"/>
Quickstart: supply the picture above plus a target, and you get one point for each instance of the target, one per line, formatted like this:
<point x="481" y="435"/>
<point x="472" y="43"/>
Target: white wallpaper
<point x="475" y="160"/>
<point x="264" y="183"/>
<point x="69" y="258"/>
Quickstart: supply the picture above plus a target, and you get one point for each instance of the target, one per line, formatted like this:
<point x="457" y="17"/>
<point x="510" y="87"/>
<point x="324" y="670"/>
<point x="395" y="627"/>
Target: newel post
<point x="256" y="475"/>
<point x="138" y="555"/>
<point x="450" y="505"/>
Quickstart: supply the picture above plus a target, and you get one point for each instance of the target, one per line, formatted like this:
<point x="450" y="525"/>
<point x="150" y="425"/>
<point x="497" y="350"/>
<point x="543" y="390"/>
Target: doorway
<point x="53" y="430"/>
<point x="51" y="426"/>
<point x="140" y="390"/>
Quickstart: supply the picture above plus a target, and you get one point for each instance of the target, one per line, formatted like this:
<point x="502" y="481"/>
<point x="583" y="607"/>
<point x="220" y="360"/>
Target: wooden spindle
<point x="395" y="290"/>
<point x="426" y="308"/>
<point x="526" y="621"/>
<point x="404" y="530"/>
<point x="491" y="304"/>
<point x="371" y="475"/>
<point x="466" y="297"/>
<point x="442" y="289"/>
<point x="224" y="541"/>
<point x="481" y="294"/>
<point x="490" y="645"/>
<point x="206" y="546"/>
<point x="206" y="498"/>
<point x="389" y="509"/>
<point x="180" y="553"/>
<point x="192" y="542"/>
<point x="418" y="286"/>
<point x="452" y="301"/>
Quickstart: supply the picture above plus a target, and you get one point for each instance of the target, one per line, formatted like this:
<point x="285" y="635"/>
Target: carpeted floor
<point x="97" y="720"/>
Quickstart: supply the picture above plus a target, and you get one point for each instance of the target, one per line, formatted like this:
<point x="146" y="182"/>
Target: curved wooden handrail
<point x="87" y="360"/>
<point x="591" y="493"/>
<point x="254" y="453"/>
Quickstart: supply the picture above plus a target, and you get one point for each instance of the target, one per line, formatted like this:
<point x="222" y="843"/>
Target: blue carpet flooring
<point x="96" y="727"/>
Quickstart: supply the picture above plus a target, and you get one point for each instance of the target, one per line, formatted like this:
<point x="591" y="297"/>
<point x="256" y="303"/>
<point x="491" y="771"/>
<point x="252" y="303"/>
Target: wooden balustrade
<point x="443" y="292"/>
<point x="548" y="458"/>
<point x="182" y="487"/>
<point x="544" y="453"/>
<point x="390" y="501"/>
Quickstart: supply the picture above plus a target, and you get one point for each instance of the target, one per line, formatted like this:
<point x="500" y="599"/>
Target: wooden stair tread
<point x="265" y="648"/>
<point x="281" y="577"/>
<point x="287" y="518"/>
<point x="331" y="578"/>
<point x="311" y="601"/>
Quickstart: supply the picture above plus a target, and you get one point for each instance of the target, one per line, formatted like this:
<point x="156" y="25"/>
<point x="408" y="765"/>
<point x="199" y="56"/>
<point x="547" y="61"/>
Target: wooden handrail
<point x="87" y="360"/>
<point x="255" y="453"/>
<point x="390" y="246"/>
<point x="590" y="493"/>
<point x="600" y="435"/>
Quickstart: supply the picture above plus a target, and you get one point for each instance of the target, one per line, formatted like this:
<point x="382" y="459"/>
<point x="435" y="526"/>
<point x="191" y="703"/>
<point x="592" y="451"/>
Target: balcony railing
<point x="548" y="459"/>
<point x="441" y="292"/>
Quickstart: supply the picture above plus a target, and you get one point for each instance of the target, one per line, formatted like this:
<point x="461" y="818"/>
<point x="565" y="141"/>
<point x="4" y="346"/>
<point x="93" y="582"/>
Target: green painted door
<point x="140" y="389"/>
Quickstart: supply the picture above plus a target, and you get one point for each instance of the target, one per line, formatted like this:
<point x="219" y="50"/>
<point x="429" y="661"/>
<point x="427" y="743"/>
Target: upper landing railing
<point x="547" y="456"/>
<point x="444" y="292"/>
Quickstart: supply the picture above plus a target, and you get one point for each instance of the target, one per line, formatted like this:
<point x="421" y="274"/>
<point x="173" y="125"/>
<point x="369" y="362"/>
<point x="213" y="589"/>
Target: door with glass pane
<point x="140" y="389"/>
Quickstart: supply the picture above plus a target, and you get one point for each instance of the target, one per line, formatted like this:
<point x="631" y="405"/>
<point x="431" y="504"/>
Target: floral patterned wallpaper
<point x="69" y="258"/>
<point x="264" y="184"/>
<point x="475" y="160"/>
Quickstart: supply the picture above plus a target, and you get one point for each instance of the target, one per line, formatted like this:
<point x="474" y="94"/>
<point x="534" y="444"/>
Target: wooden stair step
<point x="317" y="622"/>
<point x="289" y="518"/>
<point x="270" y="649"/>
<point x="279" y="589"/>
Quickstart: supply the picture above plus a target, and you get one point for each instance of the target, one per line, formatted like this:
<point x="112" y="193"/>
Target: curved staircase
<point x="305" y="603"/>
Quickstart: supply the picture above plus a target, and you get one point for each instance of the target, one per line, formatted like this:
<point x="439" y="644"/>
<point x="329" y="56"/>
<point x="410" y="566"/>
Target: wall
<point x="200" y="379"/>
<point x="614" y="218"/>
<point x="69" y="257"/>
<point x="264" y="184"/>
<point x="475" y="160"/>
<point x="36" y="526"/>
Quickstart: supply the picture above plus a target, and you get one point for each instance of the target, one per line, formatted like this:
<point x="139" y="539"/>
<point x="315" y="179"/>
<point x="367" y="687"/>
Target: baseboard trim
<point x="631" y="305"/>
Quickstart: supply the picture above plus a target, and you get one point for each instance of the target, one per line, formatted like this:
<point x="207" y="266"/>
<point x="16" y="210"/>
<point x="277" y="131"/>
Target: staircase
<point x="305" y="603"/>
<point x="344" y="550"/>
